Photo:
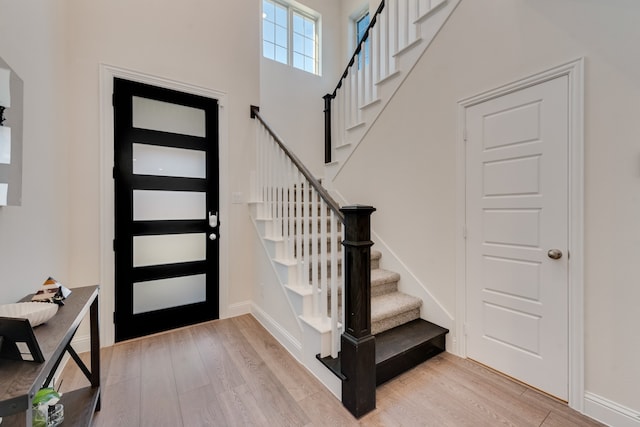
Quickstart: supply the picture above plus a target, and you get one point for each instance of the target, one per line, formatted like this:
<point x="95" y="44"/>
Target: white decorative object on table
<point x="36" y="312"/>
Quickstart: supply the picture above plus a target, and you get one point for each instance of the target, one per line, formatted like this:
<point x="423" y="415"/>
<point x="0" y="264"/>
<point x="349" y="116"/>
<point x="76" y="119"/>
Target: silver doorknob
<point x="554" y="253"/>
<point x="212" y="236"/>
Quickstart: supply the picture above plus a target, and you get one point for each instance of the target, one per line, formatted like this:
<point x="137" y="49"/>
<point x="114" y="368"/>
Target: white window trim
<point x="353" y="26"/>
<point x="306" y="12"/>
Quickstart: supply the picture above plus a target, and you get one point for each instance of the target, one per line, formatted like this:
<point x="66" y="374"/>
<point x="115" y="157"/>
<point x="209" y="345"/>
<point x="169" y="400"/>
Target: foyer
<point x="234" y="373"/>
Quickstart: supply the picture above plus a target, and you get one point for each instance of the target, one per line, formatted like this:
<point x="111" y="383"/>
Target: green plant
<point x="46" y="396"/>
<point x="42" y="400"/>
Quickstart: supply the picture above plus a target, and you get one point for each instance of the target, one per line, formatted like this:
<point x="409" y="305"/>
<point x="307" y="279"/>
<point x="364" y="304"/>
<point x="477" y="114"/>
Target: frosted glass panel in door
<point x="157" y="205"/>
<point x="166" y="293"/>
<point x="168" y="161"/>
<point x="167" y="117"/>
<point x="168" y="249"/>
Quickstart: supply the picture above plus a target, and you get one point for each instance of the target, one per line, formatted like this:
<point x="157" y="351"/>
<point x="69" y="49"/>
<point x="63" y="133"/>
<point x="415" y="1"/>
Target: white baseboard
<point x="237" y="309"/>
<point x="289" y="342"/>
<point x="610" y="413"/>
<point x="305" y="356"/>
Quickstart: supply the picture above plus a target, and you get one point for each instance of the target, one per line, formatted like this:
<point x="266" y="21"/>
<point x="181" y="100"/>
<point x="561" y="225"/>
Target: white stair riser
<point x="313" y="343"/>
<point x="300" y="301"/>
<point x="287" y="273"/>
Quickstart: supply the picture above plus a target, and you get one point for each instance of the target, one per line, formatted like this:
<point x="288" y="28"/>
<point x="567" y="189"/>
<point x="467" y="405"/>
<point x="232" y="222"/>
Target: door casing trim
<point x="107" y="219"/>
<point x="574" y="70"/>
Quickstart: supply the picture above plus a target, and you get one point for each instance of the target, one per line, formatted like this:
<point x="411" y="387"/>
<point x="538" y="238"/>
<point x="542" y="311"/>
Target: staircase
<point x="398" y="34"/>
<point x="403" y="339"/>
<point x="354" y="318"/>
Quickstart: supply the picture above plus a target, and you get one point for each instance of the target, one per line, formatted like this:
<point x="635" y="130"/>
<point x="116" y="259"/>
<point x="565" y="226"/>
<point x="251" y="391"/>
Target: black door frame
<point x="128" y="325"/>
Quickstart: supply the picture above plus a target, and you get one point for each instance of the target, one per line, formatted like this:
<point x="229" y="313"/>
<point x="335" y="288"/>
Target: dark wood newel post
<point x="327" y="127"/>
<point x="358" y="349"/>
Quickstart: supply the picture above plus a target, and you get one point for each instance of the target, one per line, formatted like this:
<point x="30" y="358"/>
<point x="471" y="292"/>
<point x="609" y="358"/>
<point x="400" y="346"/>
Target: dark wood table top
<point x="20" y="380"/>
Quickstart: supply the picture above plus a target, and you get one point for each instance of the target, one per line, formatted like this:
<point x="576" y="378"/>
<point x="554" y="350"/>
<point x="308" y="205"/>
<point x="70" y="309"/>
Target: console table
<point x="19" y="381"/>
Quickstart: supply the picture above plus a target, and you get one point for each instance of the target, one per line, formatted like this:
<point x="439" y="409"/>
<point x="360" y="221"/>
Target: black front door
<point x="166" y="209"/>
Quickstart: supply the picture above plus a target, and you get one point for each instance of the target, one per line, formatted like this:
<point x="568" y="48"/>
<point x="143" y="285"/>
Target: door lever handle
<point x="213" y="220"/>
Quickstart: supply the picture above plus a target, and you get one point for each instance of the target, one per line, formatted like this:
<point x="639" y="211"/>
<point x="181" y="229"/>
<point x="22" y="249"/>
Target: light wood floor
<point x="233" y="373"/>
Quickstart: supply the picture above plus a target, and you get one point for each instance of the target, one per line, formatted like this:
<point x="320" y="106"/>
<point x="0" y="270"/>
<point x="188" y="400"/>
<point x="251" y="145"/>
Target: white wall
<point x="412" y="149"/>
<point x="34" y="237"/>
<point x="291" y="99"/>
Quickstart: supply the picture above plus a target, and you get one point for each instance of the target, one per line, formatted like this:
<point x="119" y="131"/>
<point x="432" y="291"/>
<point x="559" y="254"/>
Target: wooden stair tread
<point x="402" y="338"/>
<point x="399" y="349"/>
<point x="406" y="346"/>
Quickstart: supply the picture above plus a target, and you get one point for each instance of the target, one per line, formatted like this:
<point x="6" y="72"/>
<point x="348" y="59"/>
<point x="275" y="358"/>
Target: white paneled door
<point x="517" y="234"/>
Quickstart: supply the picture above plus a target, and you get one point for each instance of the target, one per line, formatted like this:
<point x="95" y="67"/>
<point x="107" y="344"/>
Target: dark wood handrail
<point x="372" y="23"/>
<point x="333" y="205"/>
<point x="330" y="96"/>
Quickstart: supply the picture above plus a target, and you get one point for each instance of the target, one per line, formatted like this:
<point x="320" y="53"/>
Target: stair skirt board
<point x="399" y="349"/>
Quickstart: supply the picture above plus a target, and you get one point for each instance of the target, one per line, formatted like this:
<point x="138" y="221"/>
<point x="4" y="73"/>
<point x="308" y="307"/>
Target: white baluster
<point x="265" y="200"/>
<point x="335" y="339"/>
<point x="374" y="55"/>
<point x="423" y="7"/>
<point x="366" y="72"/>
<point x="274" y="191"/>
<point x="337" y="119"/>
<point x="342" y="113"/>
<point x="355" y="95"/>
<point x="323" y="240"/>
<point x="299" y="231"/>
<point x="403" y="24"/>
<point x="360" y="74"/>
<point x="313" y="218"/>
<point x="267" y="177"/>
<point x="414" y="14"/>
<point x="383" y="29"/>
<point x="265" y="146"/>
<point x="286" y="186"/>
<point x="259" y="167"/>
<point x="346" y="94"/>
<point x="392" y="14"/>
<point x="278" y="195"/>
<point x="306" y="237"/>
<point x="279" y="192"/>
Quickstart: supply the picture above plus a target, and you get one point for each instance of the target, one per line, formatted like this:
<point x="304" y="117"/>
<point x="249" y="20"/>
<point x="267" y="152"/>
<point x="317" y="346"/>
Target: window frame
<point x="365" y="52"/>
<point x="356" y="21"/>
<point x="305" y="13"/>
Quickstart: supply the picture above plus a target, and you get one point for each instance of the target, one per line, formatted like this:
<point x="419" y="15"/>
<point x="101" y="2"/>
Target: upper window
<point x="362" y="23"/>
<point x="290" y="36"/>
